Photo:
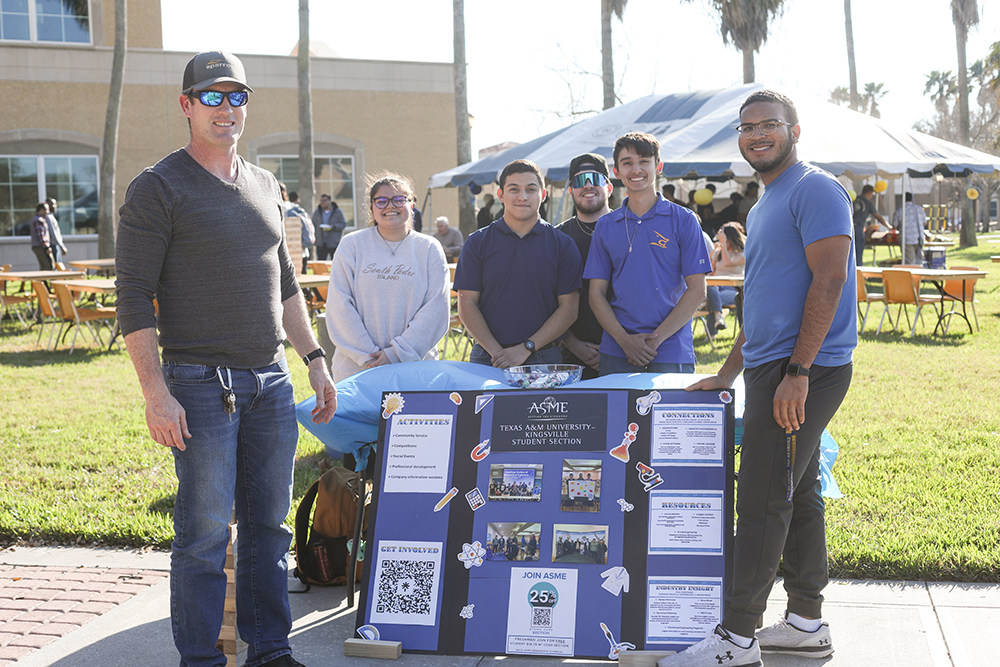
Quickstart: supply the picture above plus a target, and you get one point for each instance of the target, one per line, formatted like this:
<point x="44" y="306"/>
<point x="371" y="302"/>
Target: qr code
<point x="405" y="587"/>
<point x="541" y="617"/>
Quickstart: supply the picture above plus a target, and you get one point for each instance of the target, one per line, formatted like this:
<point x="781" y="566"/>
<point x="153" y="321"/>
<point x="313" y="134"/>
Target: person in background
<point x="202" y="233"/>
<point x="290" y="202"/>
<point x="56" y="243"/>
<point x="328" y="221"/>
<point x="41" y="243"/>
<point x="913" y="233"/>
<point x="668" y="194"/>
<point x="864" y="208"/>
<point x="749" y="199"/>
<point x="449" y="238"/>
<point x="388" y="297"/>
<point x="589" y="186"/>
<point x="732" y="212"/>
<point x="485" y="215"/>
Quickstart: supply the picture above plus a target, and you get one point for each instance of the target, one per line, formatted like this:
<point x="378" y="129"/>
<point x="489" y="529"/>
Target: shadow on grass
<point x="30" y="358"/>
<point x="921" y="339"/>
<point x="164" y="505"/>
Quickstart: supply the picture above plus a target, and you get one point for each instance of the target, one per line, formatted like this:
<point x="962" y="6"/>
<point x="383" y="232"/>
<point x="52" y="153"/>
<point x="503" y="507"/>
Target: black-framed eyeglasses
<point x="213" y="98"/>
<point x="383" y="202"/>
<point x="586" y="178"/>
<point x="767" y="127"/>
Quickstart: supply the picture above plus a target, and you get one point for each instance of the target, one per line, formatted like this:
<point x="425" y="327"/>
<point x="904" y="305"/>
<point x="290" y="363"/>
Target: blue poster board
<point x="566" y="522"/>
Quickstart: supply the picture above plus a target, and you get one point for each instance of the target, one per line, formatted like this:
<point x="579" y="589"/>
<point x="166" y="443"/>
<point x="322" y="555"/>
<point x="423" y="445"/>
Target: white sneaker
<point x="718" y="649"/>
<point x="782" y="637"/>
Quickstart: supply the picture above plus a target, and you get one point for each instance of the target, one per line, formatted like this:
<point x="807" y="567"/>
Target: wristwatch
<point x="315" y="354"/>
<point x="529" y="345"/>
<point x="797" y="371"/>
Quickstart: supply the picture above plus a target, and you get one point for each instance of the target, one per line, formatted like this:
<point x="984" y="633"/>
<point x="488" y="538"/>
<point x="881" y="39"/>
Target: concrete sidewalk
<point x="877" y="623"/>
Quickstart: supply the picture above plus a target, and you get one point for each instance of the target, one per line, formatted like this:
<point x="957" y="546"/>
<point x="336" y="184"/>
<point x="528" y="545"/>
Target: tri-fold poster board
<point x="565" y="522"/>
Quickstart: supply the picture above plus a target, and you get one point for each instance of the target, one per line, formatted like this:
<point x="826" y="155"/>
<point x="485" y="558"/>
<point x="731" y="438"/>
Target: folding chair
<point x="14" y="303"/>
<point x="967" y="289"/>
<point x="901" y="289"/>
<point x="48" y="313"/>
<point x="868" y="298"/>
<point x="78" y="316"/>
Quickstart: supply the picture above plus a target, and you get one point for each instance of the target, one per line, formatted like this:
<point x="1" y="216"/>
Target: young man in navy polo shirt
<point x="518" y="279"/>
<point x="652" y="255"/>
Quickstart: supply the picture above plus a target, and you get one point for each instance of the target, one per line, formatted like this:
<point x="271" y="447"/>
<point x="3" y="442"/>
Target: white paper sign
<point x="687" y="435"/>
<point x="541" y="616"/>
<point x="418" y="453"/>
<point x="685" y="522"/>
<point x="407" y="578"/>
<point x="682" y="610"/>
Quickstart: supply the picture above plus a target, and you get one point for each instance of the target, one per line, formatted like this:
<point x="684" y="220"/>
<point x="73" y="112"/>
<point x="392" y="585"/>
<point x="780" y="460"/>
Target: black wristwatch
<point x="529" y="345"/>
<point x="315" y="354"/>
<point x="797" y="371"/>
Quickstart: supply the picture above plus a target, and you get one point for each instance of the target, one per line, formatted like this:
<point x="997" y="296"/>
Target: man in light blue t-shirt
<point x="796" y="349"/>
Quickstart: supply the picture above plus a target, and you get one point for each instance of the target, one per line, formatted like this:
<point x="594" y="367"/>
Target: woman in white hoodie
<point x="388" y="297"/>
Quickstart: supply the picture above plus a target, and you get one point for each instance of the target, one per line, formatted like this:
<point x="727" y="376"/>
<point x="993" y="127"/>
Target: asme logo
<point x="549" y="407"/>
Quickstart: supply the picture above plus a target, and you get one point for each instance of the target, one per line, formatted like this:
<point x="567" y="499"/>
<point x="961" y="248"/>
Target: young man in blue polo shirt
<point x="518" y="279"/>
<point x="652" y="255"/>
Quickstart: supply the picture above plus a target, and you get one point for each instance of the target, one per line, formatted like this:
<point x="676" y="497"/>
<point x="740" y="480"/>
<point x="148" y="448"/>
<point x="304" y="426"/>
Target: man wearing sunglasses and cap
<point x="647" y="269"/>
<point x="590" y="187"/>
<point x="202" y="231"/>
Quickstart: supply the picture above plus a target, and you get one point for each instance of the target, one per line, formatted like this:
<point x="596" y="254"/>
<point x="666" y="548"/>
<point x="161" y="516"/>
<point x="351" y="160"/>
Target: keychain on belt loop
<point x="228" y="395"/>
<point x="790" y="461"/>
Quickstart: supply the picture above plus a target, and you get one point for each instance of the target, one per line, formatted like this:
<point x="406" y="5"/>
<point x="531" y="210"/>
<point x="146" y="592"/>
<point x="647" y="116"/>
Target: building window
<point x="65" y="21"/>
<point x="333" y="175"/>
<point x="26" y="180"/>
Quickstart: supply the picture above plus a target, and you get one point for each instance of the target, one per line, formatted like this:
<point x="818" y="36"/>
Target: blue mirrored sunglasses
<point x="588" y="178"/>
<point x="213" y="98"/>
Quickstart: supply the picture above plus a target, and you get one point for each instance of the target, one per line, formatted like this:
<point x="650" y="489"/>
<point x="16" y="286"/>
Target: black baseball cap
<point x="594" y="160"/>
<point x="212" y="67"/>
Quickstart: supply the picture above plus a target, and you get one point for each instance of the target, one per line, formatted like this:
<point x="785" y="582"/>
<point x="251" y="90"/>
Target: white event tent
<point x="697" y="139"/>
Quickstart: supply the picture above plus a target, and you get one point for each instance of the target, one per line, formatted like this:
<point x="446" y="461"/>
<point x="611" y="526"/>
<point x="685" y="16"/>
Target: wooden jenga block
<point x="229" y="639"/>
<point x="367" y="648"/>
<point x="641" y="658"/>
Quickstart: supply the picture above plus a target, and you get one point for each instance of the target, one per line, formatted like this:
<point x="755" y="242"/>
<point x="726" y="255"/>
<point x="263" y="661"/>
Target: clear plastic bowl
<point x="542" y="376"/>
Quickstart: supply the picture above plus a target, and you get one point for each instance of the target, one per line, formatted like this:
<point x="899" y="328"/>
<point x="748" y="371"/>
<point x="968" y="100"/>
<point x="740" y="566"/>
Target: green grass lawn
<point x="919" y="435"/>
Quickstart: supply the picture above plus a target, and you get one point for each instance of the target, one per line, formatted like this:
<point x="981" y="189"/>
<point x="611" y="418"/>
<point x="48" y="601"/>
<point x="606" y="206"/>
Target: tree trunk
<point x="748" y="70"/>
<point x="463" y="133"/>
<point x="607" y="64"/>
<point x="306" y="159"/>
<point x="106" y="227"/>
<point x="968" y="237"/>
<point x="852" y="69"/>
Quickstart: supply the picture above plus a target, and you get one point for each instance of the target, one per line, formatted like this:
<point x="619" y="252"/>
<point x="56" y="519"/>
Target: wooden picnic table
<point x="106" y="266"/>
<point x="312" y="280"/>
<point x="28" y="276"/>
<point x="936" y="277"/>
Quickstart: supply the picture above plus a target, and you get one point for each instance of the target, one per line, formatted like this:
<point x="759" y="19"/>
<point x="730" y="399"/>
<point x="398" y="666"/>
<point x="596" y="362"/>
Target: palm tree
<point x="873" y="93"/>
<point x="466" y="207"/>
<point x="306" y="158"/>
<point x="109" y="151"/>
<point x="745" y="23"/>
<point x="617" y="8"/>
<point x="964" y="14"/>
<point x="855" y="100"/>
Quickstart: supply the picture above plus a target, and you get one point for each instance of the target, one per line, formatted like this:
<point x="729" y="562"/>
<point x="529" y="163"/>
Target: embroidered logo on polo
<point x="662" y="243"/>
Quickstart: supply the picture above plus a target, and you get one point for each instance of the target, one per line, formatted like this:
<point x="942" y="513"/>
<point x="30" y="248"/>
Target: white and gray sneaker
<point x="718" y="649"/>
<point x="782" y="637"/>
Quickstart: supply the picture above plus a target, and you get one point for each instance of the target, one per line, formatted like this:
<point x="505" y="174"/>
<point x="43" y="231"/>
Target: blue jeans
<point x="246" y="458"/>
<point x="612" y="364"/>
<point x="552" y="355"/>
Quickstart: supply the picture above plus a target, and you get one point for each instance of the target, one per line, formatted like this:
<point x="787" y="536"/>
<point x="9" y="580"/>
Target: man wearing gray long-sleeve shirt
<point x="202" y="231"/>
